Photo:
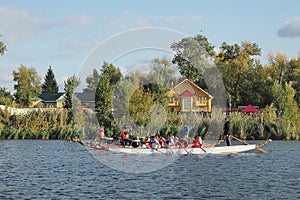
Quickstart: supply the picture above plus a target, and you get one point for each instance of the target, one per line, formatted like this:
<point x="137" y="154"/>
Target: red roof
<point x="187" y="94"/>
<point x="250" y="108"/>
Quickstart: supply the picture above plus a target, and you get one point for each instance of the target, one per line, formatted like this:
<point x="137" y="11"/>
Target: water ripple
<point x="33" y="169"/>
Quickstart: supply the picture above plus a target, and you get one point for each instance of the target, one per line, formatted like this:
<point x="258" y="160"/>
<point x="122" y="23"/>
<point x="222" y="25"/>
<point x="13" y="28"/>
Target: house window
<point x="171" y="99"/>
<point x="186" y="103"/>
<point x="202" y="99"/>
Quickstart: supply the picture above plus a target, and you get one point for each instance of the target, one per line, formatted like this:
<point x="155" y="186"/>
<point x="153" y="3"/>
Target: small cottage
<point x="50" y="100"/>
<point x="188" y="97"/>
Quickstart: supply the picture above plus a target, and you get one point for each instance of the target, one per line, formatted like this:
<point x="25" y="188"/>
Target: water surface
<point x="36" y="169"/>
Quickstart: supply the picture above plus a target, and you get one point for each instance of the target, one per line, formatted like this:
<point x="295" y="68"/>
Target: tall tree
<point x="295" y="77"/>
<point x="104" y="95"/>
<point x="285" y="70"/>
<point x="2" y="48"/>
<point x="92" y="81"/>
<point x="28" y="85"/>
<point x="70" y="84"/>
<point x="50" y="85"/>
<point x="162" y="73"/>
<point x="191" y="55"/>
<point x="279" y="68"/>
<point x="234" y="63"/>
<point x="139" y="106"/>
<point x="5" y="97"/>
<point x="289" y="117"/>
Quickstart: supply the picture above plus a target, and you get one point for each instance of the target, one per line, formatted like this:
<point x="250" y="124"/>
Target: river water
<point x="35" y="169"/>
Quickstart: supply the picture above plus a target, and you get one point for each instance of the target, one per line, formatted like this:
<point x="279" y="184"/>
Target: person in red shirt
<point x="125" y="138"/>
<point x="197" y="142"/>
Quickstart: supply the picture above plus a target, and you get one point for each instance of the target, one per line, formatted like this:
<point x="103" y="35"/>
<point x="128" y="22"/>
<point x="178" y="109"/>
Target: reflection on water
<point x="61" y="170"/>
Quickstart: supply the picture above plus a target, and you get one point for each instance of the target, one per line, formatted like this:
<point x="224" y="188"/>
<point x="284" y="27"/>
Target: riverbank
<point x="54" y="124"/>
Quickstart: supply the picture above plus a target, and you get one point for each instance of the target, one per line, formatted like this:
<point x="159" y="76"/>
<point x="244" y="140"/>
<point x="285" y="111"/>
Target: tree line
<point x="274" y="87"/>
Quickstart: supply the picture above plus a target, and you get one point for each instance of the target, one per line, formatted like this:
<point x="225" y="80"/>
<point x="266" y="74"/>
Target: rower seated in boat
<point x="154" y="142"/>
<point x="182" y="143"/>
<point x="101" y="135"/>
<point x="197" y="142"/>
<point x="125" y="138"/>
<point x="170" y="141"/>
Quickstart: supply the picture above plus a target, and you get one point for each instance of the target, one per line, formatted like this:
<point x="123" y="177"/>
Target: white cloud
<point x="291" y="28"/>
<point x="17" y="25"/>
<point x="80" y="20"/>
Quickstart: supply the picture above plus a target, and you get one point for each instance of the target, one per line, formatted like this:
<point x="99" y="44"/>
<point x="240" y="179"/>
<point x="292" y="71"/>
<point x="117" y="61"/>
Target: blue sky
<point x="63" y="33"/>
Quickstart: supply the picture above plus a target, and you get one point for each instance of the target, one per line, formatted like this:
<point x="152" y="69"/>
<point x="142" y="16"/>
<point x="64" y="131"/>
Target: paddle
<point x="237" y="139"/>
<point x="203" y="150"/>
<point x="187" y="153"/>
<point x="245" y="143"/>
<point x="78" y="140"/>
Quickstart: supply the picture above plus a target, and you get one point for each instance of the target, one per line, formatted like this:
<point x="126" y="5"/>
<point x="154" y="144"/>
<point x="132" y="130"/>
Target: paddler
<point x="197" y="142"/>
<point x="125" y="138"/>
<point x="154" y="142"/>
<point x="227" y="132"/>
<point x="101" y="135"/>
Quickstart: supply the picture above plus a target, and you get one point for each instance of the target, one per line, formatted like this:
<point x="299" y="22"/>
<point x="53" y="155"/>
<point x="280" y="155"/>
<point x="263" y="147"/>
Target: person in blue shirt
<point x="186" y="131"/>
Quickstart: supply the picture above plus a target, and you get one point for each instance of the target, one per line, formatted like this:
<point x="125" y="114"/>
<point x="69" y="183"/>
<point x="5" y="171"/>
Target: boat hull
<point x="184" y="151"/>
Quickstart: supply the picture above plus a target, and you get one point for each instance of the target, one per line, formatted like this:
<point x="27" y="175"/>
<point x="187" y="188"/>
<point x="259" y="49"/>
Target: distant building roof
<point x="51" y="97"/>
<point x="86" y="96"/>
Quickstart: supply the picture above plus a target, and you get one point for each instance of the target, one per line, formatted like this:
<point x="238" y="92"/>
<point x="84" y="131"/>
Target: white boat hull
<point x="184" y="151"/>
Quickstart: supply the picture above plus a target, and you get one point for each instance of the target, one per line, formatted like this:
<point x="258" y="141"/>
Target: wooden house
<point x="50" y="100"/>
<point x="188" y="97"/>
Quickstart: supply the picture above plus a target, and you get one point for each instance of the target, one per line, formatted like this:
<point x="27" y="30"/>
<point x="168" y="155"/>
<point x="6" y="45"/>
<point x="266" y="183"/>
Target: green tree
<point x="70" y="100"/>
<point x="279" y="67"/>
<point x="2" y="48"/>
<point x="5" y="97"/>
<point x="50" y="85"/>
<point x="237" y="65"/>
<point x="287" y="108"/>
<point x="162" y="73"/>
<point x="191" y="55"/>
<point x="28" y="85"/>
<point x="92" y="81"/>
<point x="256" y="88"/>
<point x="285" y="70"/>
<point x="139" y="106"/>
<point x="104" y="95"/>
<point x="295" y="77"/>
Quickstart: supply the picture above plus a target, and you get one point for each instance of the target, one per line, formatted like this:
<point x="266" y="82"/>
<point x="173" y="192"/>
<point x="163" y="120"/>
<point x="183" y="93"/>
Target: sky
<point x="64" y="34"/>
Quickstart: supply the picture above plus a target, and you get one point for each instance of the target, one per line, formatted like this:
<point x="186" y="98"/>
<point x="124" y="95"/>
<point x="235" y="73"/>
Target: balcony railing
<point x="173" y="103"/>
<point x="201" y="103"/>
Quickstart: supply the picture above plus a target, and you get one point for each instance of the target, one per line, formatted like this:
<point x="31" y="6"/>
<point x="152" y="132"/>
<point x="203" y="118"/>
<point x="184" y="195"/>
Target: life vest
<point x="197" y="143"/>
<point x="124" y="136"/>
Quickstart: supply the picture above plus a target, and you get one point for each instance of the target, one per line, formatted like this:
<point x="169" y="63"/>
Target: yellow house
<point x="188" y="97"/>
<point x="50" y="100"/>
